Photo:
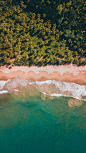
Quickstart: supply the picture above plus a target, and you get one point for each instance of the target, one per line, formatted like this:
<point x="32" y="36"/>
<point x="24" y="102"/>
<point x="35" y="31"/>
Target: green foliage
<point x="42" y="32"/>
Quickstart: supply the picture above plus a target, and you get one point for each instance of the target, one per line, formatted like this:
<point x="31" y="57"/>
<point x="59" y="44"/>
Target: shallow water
<point x="33" y="123"/>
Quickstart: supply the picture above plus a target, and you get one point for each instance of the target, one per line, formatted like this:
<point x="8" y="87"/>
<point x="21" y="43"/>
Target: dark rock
<point x="10" y="67"/>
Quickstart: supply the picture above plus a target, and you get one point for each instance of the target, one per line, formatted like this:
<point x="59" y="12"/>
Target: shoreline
<point x="65" y="73"/>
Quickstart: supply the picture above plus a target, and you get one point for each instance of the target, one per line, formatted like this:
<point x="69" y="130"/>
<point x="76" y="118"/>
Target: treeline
<point x="38" y="32"/>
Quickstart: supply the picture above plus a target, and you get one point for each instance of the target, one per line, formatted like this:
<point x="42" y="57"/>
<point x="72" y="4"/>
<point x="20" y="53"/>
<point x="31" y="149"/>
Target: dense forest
<point x="41" y="32"/>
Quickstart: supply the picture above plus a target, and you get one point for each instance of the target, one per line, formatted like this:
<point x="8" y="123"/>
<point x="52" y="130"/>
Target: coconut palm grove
<point x="41" y="32"/>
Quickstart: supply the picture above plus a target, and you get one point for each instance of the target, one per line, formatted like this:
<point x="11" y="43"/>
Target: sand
<point x="66" y="73"/>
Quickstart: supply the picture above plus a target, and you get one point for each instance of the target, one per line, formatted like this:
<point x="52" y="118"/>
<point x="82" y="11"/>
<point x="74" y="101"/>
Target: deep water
<point x="33" y="125"/>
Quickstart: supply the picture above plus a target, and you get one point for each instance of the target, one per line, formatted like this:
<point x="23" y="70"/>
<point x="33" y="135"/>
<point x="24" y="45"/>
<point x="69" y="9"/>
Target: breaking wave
<point x="48" y="87"/>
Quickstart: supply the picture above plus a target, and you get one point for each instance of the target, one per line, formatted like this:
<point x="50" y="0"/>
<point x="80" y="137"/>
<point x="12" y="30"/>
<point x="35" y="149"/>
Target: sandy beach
<point x="66" y="73"/>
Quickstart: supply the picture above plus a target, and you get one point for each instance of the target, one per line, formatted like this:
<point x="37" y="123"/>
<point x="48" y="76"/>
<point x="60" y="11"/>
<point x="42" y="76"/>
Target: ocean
<point x="42" y="116"/>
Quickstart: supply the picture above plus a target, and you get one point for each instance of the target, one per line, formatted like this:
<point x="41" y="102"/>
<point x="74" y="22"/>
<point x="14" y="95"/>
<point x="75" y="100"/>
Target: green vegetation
<point x="38" y="32"/>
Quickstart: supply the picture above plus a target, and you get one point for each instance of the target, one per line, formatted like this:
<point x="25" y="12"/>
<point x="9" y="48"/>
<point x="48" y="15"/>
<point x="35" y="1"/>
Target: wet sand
<point x="66" y="73"/>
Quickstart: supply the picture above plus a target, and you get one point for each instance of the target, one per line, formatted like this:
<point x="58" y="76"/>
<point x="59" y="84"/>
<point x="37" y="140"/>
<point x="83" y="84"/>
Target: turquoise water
<point x="29" y="124"/>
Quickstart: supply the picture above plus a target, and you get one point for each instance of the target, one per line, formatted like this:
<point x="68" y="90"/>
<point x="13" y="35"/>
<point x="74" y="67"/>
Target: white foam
<point x="43" y="82"/>
<point x="31" y="82"/>
<point x="56" y="95"/>
<point x="71" y="89"/>
<point x="3" y="91"/>
<point x="14" y="83"/>
<point x="75" y="89"/>
<point x="84" y="99"/>
<point x="16" y="90"/>
<point x="44" y="93"/>
<point x="2" y="83"/>
<point x="59" y="88"/>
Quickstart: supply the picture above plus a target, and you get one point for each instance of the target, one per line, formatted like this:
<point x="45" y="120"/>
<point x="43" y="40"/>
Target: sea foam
<point x="48" y="87"/>
<point x="66" y="89"/>
<point x="3" y="92"/>
<point x="2" y="83"/>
